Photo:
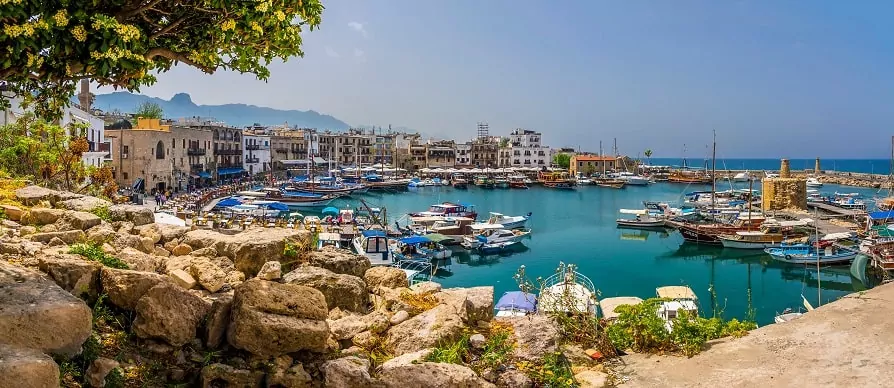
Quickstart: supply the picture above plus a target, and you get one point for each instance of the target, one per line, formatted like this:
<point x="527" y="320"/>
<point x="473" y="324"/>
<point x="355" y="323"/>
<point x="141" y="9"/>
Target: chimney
<point x="785" y="170"/>
<point x="816" y="167"/>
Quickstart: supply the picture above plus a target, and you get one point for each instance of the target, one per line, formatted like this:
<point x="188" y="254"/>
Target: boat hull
<point x="699" y="236"/>
<point x="737" y="244"/>
<point x="640" y="224"/>
<point x="779" y="254"/>
<point x="637" y="181"/>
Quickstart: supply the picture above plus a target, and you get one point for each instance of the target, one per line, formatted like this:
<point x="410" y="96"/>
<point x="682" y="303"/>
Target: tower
<point x="85" y="98"/>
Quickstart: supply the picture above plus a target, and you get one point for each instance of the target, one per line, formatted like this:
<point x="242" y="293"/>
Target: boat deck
<point x="608" y="305"/>
<point x="567" y="297"/>
<point x="835" y="211"/>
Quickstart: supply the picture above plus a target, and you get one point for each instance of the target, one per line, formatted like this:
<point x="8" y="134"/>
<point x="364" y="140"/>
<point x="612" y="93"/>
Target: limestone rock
<point x="146" y="245"/>
<point x="151" y="231"/>
<point x="32" y="195"/>
<point x="56" y="242"/>
<point x="250" y="249"/>
<point x="407" y="359"/>
<point x="36" y="313"/>
<point x="181" y="250"/>
<point x="77" y="276"/>
<point x="126" y="287"/>
<point x="474" y="304"/>
<point x="210" y="273"/>
<point x="399" y="317"/>
<point x="98" y="370"/>
<point x="287" y="375"/>
<point x="169" y="312"/>
<point x="50" y="228"/>
<point x="69" y="236"/>
<point x="171" y="232"/>
<point x="44" y="216"/>
<point x="349" y="326"/>
<point x="271" y="270"/>
<point x="74" y="220"/>
<point x="27" y="368"/>
<point x="122" y="241"/>
<point x="514" y="379"/>
<point x="123" y="227"/>
<point x="431" y="375"/>
<point x="341" y="261"/>
<point x="182" y="279"/>
<point x="270" y="319"/>
<point x="218" y="319"/>
<point x="592" y="379"/>
<point x="100" y="234"/>
<point x="477" y="341"/>
<point x="535" y="336"/>
<point x="349" y="372"/>
<point x="84" y="204"/>
<point x="215" y="374"/>
<point x="12" y="212"/>
<point x="205" y="252"/>
<point x="347" y="292"/>
<point x="27" y="230"/>
<point x="138" y="215"/>
<point x="139" y="261"/>
<point x="426" y="330"/>
<point x="159" y="251"/>
<point x="385" y="277"/>
<point x="426" y="288"/>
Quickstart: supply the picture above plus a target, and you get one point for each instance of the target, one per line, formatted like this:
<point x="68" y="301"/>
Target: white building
<point x="463" y="154"/>
<point x="527" y="150"/>
<point x="255" y="153"/>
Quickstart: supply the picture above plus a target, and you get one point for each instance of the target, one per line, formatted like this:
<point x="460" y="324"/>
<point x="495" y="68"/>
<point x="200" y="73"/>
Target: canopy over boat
<point x="228" y="202"/>
<point x="437" y="237"/>
<point x="517" y="300"/>
<point x="881" y="215"/>
<point x="609" y="305"/>
<point x="639" y="212"/>
<point x="415" y="240"/>
<point x="272" y="205"/>
<point x="837" y="236"/>
<point x="481" y="227"/>
<point x="675" y="292"/>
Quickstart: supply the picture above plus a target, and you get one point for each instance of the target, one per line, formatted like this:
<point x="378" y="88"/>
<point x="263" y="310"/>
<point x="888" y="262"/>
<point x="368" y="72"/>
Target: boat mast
<point x="891" y="169"/>
<point x="714" y="173"/>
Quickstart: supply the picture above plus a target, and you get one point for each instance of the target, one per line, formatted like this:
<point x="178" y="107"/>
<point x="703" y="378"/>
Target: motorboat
<point x="501" y="183"/>
<point x="496" y="248"/>
<point x="742" y="177"/>
<point x="516" y="304"/>
<point x="346" y="216"/>
<point x="813" y="182"/>
<point x="328" y="240"/>
<point x="584" y="181"/>
<point x="448" y="209"/>
<point x="498" y="234"/>
<point x="771" y="234"/>
<point x="848" y="202"/>
<point x="374" y="245"/>
<point x="787" y="315"/>
<point x="610" y="183"/>
<point x="556" y="180"/>
<point x="677" y="299"/>
<point x="633" y="180"/>
<point x="300" y="199"/>
<point x="822" y="253"/>
<point x="418" y="248"/>
<point x="568" y="291"/>
<point x="453" y="227"/>
<point x="484" y="182"/>
<point x="416" y="271"/>
<point x="643" y="219"/>
<point x="252" y="211"/>
<point x="508" y="222"/>
<point x="518" y="182"/>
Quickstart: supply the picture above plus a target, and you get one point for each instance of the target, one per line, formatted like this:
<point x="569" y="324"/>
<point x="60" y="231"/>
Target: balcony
<point x="195" y="151"/>
<point x="228" y="165"/>
<point x="252" y="160"/>
<point x="253" y="147"/>
<point x="235" y="151"/>
<point x="282" y="150"/>
<point x="196" y="167"/>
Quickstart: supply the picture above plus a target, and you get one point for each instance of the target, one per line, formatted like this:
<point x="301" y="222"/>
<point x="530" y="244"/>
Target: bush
<point x="94" y="252"/>
<point x="103" y="213"/>
<point x="452" y="352"/>
<point x="552" y="371"/>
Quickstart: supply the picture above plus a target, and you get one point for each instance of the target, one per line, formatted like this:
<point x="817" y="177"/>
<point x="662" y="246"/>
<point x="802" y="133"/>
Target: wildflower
<point x="61" y="18"/>
<point x="79" y="33"/>
<point x="280" y="15"/>
<point x="257" y="28"/>
<point x="262" y="6"/>
<point x="228" y="25"/>
<point x="12" y="31"/>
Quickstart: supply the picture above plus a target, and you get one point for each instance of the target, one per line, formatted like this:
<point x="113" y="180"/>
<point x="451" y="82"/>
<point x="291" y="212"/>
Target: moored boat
<point x="642" y="219"/>
<point x="484" y="182"/>
<point x="374" y="245"/>
<point x="678" y="299"/>
<point x="518" y="182"/>
<point x="459" y="182"/>
<point x="501" y="183"/>
<point x="568" y="291"/>
<point x="771" y="234"/>
<point x="508" y="222"/>
<point x="610" y="183"/>
<point x="448" y="209"/>
<point x="493" y="234"/>
<point x="516" y="304"/>
<point x="813" y="182"/>
<point x="495" y="248"/>
<point x="556" y="180"/>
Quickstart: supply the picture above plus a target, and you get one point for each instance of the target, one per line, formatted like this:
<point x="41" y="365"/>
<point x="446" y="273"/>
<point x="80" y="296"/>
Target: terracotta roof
<point x="593" y="158"/>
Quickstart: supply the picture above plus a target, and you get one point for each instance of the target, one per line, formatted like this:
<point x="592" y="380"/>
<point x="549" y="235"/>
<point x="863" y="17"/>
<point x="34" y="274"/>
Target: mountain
<point x="239" y="115"/>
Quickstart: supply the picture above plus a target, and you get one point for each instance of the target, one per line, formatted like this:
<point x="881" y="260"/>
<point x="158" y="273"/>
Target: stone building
<point x="463" y="155"/>
<point x="193" y="160"/>
<point x="440" y="153"/>
<point x="590" y="164"/>
<point x="484" y="152"/>
<point x="287" y="147"/>
<point x="784" y="192"/>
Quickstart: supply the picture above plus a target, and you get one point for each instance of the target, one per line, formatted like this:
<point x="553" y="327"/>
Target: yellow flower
<point x="257" y="27"/>
<point x="79" y="33"/>
<point x="280" y="15"/>
<point x="262" y="6"/>
<point x="12" y="31"/>
<point x="61" y="18"/>
<point x="228" y="25"/>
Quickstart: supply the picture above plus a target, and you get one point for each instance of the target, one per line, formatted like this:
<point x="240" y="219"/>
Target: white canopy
<point x="837" y="236"/>
<point x="639" y="212"/>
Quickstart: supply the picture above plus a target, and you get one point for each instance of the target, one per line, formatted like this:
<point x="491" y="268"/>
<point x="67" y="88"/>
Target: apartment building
<point x="527" y="149"/>
<point x="463" y="155"/>
<point x="484" y="152"/>
<point x="256" y="156"/>
<point x="441" y="153"/>
<point x="288" y="146"/>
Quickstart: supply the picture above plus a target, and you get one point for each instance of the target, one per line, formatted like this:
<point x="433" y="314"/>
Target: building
<point x="193" y="162"/>
<point x="142" y="156"/>
<point x="527" y="149"/>
<point x="288" y="147"/>
<point x="504" y="155"/>
<point x="256" y="158"/>
<point x="463" y="155"/>
<point x="484" y="153"/>
<point x="590" y="164"/>
<point x="441" y="153"/>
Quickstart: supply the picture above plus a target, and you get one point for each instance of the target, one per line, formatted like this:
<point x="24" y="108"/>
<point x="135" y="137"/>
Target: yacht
<point x="813" y="182"/>
<point x="742" y="177"/>
<point x="419" y="248"/>
<point x="494" y="236"/>
<point x="508" y="222"/>
<point x="448" y="209"/>
<point x="374" y="245"/>
<point x="568" y="291"/>
<point x="633" y="180"/>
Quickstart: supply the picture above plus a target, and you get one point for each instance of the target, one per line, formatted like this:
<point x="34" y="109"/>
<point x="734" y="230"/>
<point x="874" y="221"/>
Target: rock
<point x="27" y="368"/>
<point x="56" y="242"/>
<point x="218" y="319"/>
<point x="535" y="336"/>
<point x="169" y="312"/>
<point x="399" y="317"/>
<point x="363" y="339"/>
<point x="514" y="379"/>
<point x="146" y="245"/>
<point x="474" y="304"/>
<point x="72" y="220"/>
<point x="123" y="241"/>
<point x="100" y="234"/>
<point x="205" y="252"/>
<point x="32" y="195"/>
<point x="271" y="270"/>
<point x="250" y="249"/>
<point x="159" y="251"/>
<point x="388" y="277"/>
<point x="347" y="292"/>
<point x="36" y="313"/>
<point x="287" y="375"/>
<point x="349" y="326"/>
<point x="44" y="216"/>
<point x="26" y="230"/>
<point x="170" y="245"/>
<point x="438" y="325"/>
<point x="592" y="379"/>
<point x="477" y="341"/>
<point x="182" y="279"/>
<point x="84" y="204"/>
<point x="12" y="212"/>
<point x="171" y="232"/>
<point x="349" y="372"/>
<point x="215" y="374"/>
<point x="125" y="287"/>
<point x="431" y="375"/>
<point x="209" y="272"/>
<point x="426" y="288"/>
<point x="69" y="237"/>
<point x="98" y="370"/>
<point x="50" y="228"/>
<point x="139" y="261"/>
<point x="341" y="261"/>
<point x="123" y="227"/>
<point x="77" y="276"/>
<point x="181" y="250"/>
<point x="137" y="214"/>
<point x="270" y="319"/>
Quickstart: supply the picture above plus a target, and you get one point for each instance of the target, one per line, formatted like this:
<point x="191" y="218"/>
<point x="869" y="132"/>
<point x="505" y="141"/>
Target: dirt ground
<point x="847" y="343"/>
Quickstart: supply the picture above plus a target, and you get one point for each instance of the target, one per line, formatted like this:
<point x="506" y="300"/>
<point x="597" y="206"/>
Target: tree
<point x="43" y="152"/>
<point x="648" y="154"/>
<point x="562" y="160"/>
<point x="125" y="43"/>
<point x="149" y="110"/>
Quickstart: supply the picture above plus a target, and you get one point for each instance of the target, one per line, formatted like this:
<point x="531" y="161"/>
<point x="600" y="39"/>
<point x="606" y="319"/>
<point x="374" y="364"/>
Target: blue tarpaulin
<point x="205" y="174"/>
<point x="517" y="300"/>
<point x="414" y="240"/>
<point x="881" y="215"/>
<point x="277" y="206"/>
<point x="227" y="202"/>
<point x="373" y="233"/>
<point x="230" y="171"/>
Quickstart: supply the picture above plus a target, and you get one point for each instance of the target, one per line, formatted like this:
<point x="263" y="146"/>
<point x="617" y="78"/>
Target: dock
<point x="835" y="211"/>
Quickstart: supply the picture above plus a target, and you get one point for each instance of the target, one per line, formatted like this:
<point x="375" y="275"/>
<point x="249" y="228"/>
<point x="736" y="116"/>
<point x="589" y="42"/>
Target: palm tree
<point x="648" y="154"/>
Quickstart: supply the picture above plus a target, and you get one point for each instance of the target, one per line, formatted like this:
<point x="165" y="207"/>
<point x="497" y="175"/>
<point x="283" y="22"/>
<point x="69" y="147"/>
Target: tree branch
<point x="126" y="13"/>
<point x="175" y="56"/>
<point x="168" y="28"/>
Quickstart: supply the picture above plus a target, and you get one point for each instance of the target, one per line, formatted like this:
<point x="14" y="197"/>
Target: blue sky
<point x="774" y="78"/>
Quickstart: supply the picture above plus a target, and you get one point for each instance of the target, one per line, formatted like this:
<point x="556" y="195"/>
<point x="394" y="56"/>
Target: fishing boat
<point x="516" y="304"/>
<point x="501" y="182"/>
<point x="583" y="181"/>
<point x="459" y="182"/>
<point x="518" y="182"/>
<point x="448" y="209"/>
<point x="556" y="180"/>
<point x="496" y="248"/>
<point x="824" y="252"/>
<point x="484" y="182"/>
<point x="813" y="182"/>
<point x="508" y="222"/>
<point x="418" y="248"/>
<point x="787" y="315"/>
<point x="642" y="219"/>
<point x="610" y="183"/>
<point x="678" y="299"/>
<point x="493" y="234"/>
<point x="568" y="291"/>
<point x="708" y="234"/>
<point x="300" y="199"/>
<point x="452" y="227"/>
<point x="848" y="202"/>
<point x="770" y="235"/>
<point x="374" y="245"/>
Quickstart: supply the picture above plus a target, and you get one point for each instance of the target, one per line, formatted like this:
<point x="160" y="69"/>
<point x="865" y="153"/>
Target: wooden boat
<point x="501" y="183"/>
<point x="689" y="177"/>
<point x="556" y="180"/>
<point x="610" y="183"/>
<point x="518" y="182"/>
<point x="820" y="254"/>
<point x="770" y="235"/>
<point x="484" y="182"/>
<point x="883" y="254"/>
<point x="459" y="182"/>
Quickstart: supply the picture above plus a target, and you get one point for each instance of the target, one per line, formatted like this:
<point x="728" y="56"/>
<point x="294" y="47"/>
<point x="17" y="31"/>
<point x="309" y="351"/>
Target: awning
<point x="414" y="240"/>
<point x="319" y="160"/>
<point x="881" y="215"/>
<point x="205" y="174"/>
<point x="230" y="171"/>
<point x="517" y="300"/>
<point x="373" y="233"/>
<point x="227" y="202"/>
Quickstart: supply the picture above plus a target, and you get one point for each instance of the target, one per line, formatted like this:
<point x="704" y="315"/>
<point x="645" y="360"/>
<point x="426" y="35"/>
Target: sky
<point x="795" y="79"/>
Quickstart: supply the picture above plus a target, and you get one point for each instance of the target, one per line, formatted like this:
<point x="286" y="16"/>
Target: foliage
<point x="379" y="350"/>
<point x="648" y="153"/>
<point x="103" y="213"/>
<point x="94" y="252"/>
<point x="72" y="371"/>
<point x="562" y="160"/>
<point x="45" y="153"/>
<point x="52" y="45"/>
<point x="102" y="181"/>
<point x="504" y="142"/>
<point x="498" y="347"/>
<point x="552" y="371"/>
<point x="418" y="303"/>
<point x="149" y="110"/>
<point x="115" y="379"/>
<point x="456" y="352"/>
<point x="290" y="250"/>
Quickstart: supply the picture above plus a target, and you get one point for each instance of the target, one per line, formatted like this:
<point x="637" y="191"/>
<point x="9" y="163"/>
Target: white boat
<point x="742" y="177"/>
<point x="642" y="220"/>
<point x="609" y="305"/>
<point x="568" y="291"/>
<point x="680" y="298"/>
<point x="787" y="316"/>
<point x="374" y="245"/>
<point x="328" y="240"/>
<point x="495" y="248"/>
<point x="584" y="181"/>
<point x="508" y="222"/>
<point x="416" y="271"/>
<point x="849" y="202"/>
<point x="253" y="211"/>
<point x="813" y="182"/>
<point x="494" y="236"/>
<point x="418" y="248"/>
<point x="633" y="180"/>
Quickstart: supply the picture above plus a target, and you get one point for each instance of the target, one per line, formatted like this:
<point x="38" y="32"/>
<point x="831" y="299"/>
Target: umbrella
<point x="165" y="218"/>
<point x="330" y="210"/>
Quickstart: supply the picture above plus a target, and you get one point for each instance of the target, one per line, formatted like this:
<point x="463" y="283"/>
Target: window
<point x="580" y="164"/>
<point x="184" y="143"/>
<point x="159" y="150"/>
<point x="125" y="175"/>
<point x="173" y="143"/>
<point x="126" y="149"/>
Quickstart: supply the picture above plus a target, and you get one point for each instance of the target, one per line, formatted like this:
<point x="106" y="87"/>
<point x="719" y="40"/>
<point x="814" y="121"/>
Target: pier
<point x="835" y="211"/>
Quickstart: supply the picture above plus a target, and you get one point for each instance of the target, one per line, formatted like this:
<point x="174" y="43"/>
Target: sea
<point x="578" y="227"/>
<point x="867" y="166"/>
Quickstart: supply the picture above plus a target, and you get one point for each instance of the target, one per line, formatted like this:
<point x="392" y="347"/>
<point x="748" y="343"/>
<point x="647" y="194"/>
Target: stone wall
<point x="784" y="193"/>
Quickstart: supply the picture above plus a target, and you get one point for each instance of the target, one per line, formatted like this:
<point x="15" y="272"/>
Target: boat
<point x="415" y="271"/>
<point x="516" y="304"/>
<point x="518" y="182"/>
<point x="823" y="252"/>
<point x="771" y="234"/>
<point x="493" y="234"/>
<point x="583" y="181"/>
<point x="633" y="180"/>
<point x="459" y="182"/>
<point x="609" y="305"/>
<point x="689" y="177"/>
<point x="452" y="227"/>
<point x="610" y="183"/>
<point x="848" y="202"/>
<point x="677" y="299"/>
<point x="418" y="248"/>
<point x="742" y="177"/>
<point x="501" y="183"/>
<point x="787" y="315"/>
<point x="374" y="245"/>
<point x="484" y="182"/>
<point x="300" y="199"/>
<point x="813" y="182"/>
<point x="448" y="209"/>
<point x="709" y="233"/>
<point x="508" y="222"/>
<point x="568" y="291"/>
<point x="885" y="204"/>
<point x="642" y="220"/>
<point x="496" y="248"/>
<point x="556" y="180"/>
<point x="328" y="240"/>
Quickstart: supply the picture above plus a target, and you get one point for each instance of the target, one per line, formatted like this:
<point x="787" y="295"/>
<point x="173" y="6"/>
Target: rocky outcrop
<point x="27" y="368"/>
<point x="100" y="234"/>
<point x="69" y="236"/>
<point x="341" y="261"/>
<point x="170" y="313"/>
<point x="347" y="292"/>
<point x="74" y="220"/>
<point x="270" y="319"/>
<point x="125" y="287"/>
<point x="12" y="212"/>
<point x="388" y="277"/>
<point x="33" y="195"/>
<point x="431" y="375"/>
<point x="75" y="275"/>
<point x="348" y="326"/>
<point x="216" y="374"/>
<point x="139" y="260"/>
<point x="84" y="204"/>
<point x="43" y="216"/>
<point x="349" y="372"/>
<point x="218" y="319"/>
<point x="250" y="249"/>
<point x="473" y="304"/>
<point x="211" y="273"/>
<point x="438" y="325"/>
<point x="36" y="313"/>
<point x="138" y="215"/>
<point x="285" y="374"/>
<point x="535" y="336"/>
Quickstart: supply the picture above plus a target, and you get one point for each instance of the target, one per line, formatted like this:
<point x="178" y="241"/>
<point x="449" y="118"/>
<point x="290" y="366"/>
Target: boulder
<point x="98" y="370"/>
<point x="151" y="231"/>
<point x="84" y="204"/>
<point x="100" y="234"/>
<point x="270" y="319"/>
<point x="138" y="215"/>
<point x="347" y="292"/>
<point x="69" y="236"/>
<point x="514" y="379"/>
<point x="27" y="230"/>
<point x="349" y="372"/>
<point x="122" y="241"/>
<point x="211" y="273"/>
<point x="50" y="228"/>
<point x="123" y="227"/>
<point x="44" y="216"/>
<point x="477" y="341"/>
<point x="215" y="375"/>
<point x="36" y="313"/>
<point x="340" y="261"/>
<point x="429" y="329"/>
<point x="285" y="374"/>
<point x="32" y="195"/>
<point x="12" y="212"/>
<point x="399" y="317"/>
<point x="592" y="379"/>
<point x="74" y="220"/>
<point x="426" y="288"/>
<point x="218" y="319"/>
<point x="125" y="287"/>
<point x="27" y="368"/>
<point x="146" y="245"/>
<point x="473" y="304"/>
<point x="139" y="261"/>
<point x="75" y="275"/>
<point x="159" y="251"/>
<point x="271" y="270"/>
<point x="182" y="279"/>
<point x="181" y="250"/>
<point x="171" y="232"/>
<point x="407" y="359"/>
<point x="56" y="242"/>
<point x="170" y="313"/>
<point x="349" y="326"/>
<point x="250" y="249"/>
<point x="535" y="336"/>
<point x="431" y="375"/>
<point x="388" y="277"/>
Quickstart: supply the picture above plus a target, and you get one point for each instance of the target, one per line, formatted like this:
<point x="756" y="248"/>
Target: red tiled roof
<point x="593" y="158"/>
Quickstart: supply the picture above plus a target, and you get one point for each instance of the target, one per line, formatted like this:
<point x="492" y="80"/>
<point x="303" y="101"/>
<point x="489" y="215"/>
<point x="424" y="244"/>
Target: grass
<point x="379" y="350"/>
<point x="103" y="213"/>
<point x="451" y="352"/>
<point x="498" y="348"/>
<point x="95" y="253"/>
<point x="418" y="303"/>
<point x="551" y="371"/>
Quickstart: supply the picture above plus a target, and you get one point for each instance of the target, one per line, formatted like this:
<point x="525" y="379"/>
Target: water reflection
<point x="630" y="234"/>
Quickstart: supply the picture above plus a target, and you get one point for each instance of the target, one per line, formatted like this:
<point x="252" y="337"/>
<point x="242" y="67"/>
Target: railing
<point x="195" y="151"/>
<point x="252" y="146"/>
<point x="282" y="150"/>
<point x="252" y="160"/>
<point x="237" y="151"/>
<point x="196" y="167"/>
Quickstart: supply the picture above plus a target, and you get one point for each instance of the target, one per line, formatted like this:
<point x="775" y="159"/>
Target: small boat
<point x="416" y="271"/>
<point x="568" y="291"/>
<point x="516" y="304"/>
<point x="610" y="183"/>
<point x="419" y="248"/>
<point x="609" y="305"/>
<point x="508" y="222"/>
<point x="787" y="315"/>
<point x="823" y="252"/>
<point x="374" y="245"/>
<point x="496" y="248"/>
<point x="492" y="235"/>
<point x="448" y="209"/>
<point x="885" y="204"/>
<point x="633" y="180"/>
<point x="459" y="182"/>
<point x="345" y="216"/>
<point x="689" y="177"/>
<point x="328" y="240"/>
<point x="848" y="202"/>
<point x="518" y="182"/>
<point x="584" y="181"/>
<point x="501" y="183"/>
<point x="813" y="182"/>
<point x="484" y="182"/>
<point x="452" y="227"/>
<point x="300" y="199"/>
<point x="679" y="298"/>
<point x="742" y="177"/>
<point x="252" y="211"/>
<point x="642" y="220"/>
<point x="556" y="180"/>
<point x="770" y="235"/>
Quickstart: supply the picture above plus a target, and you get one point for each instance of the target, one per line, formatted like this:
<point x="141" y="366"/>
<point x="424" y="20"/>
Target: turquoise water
<point x="579" y="227"/>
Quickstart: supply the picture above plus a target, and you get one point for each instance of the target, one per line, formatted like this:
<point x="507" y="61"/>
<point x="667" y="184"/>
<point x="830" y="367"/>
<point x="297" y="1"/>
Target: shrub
<point x="451" y="352"/>
<point x="552" y="371"/>
<point x="94" y="252"/>
<point x="103" y="213"/>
